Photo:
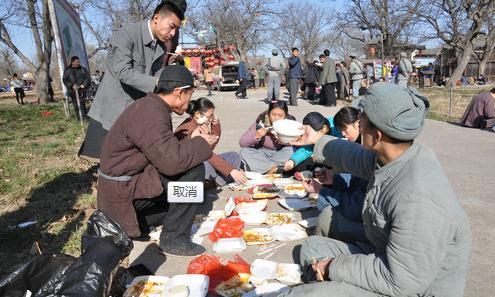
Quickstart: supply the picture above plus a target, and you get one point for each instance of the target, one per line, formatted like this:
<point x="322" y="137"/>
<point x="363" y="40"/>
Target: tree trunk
<point x="43" y="48"/>
<point x="43" y="82"/>
<point x="462" y="62"/>
<point x="486" y="56"/>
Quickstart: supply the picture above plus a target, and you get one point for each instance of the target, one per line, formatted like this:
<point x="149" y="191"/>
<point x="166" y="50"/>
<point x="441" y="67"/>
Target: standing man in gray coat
<point x="416" y="234"/>
<point x="405" y="70"/>
<point x="295" y="73"/>
<point x="356" y="71"/>
<point x="328" y="78"/>
<point x="275" y="67"/>
<point x="136" y="55"/>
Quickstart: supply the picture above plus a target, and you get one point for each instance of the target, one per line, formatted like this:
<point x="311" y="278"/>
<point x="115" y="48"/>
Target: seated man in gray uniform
<point x="419" y="237"/>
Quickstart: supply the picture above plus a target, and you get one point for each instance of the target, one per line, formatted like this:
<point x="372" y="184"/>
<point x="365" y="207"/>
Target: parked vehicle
<point x="227" y="75"/>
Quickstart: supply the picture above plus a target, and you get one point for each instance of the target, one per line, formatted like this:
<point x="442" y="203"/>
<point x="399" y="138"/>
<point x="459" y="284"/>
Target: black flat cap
<point x="179" y="7"/>
<point x="175" y="74"/>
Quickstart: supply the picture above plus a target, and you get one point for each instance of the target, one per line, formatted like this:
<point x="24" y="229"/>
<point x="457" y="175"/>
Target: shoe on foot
<point x="182" y="249"/>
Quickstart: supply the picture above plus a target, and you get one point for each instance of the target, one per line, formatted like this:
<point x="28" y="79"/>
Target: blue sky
<point x="23" y="37"/>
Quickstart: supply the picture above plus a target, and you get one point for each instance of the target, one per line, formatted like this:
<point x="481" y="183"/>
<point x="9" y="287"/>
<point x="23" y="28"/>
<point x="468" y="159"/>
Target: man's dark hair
<point x="492" y="91"/>
<point x="326" y="52"/>
<point x="294" y="49"/>
<point x="73" y="58"/>
<point x="322" y="56"/>
<point x="169" y="87"/>
<point x="164" y="9"/>
<point x="15" y="75"/>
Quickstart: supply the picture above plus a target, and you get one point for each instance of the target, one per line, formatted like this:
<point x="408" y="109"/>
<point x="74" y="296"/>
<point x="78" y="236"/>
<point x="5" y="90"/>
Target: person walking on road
<point x="275" y="68"/>
<point x="244" y="77"/>
<point x="18" y="86"/>
<point x="261" y="74"/>
<point x="295" y="72"/>
<point x="208" y="79"/>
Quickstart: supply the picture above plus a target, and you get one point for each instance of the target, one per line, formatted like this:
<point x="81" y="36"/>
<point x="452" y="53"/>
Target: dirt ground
<point x="466" y="154"/>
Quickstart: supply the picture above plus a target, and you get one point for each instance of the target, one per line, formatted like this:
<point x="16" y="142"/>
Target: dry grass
<point x="461" y="97"/>
<point x="42" y="180"/>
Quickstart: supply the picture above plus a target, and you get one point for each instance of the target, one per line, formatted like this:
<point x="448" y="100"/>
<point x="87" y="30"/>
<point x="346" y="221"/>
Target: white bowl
<point x="288" y="130"/>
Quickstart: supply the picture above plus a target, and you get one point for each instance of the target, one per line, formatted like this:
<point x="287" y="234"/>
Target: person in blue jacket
<point x="243" y="77"/>
<point x="301" y="159"/>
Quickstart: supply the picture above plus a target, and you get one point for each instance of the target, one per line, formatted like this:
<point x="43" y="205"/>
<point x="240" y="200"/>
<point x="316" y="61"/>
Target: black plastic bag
<point x="103" y="246"/>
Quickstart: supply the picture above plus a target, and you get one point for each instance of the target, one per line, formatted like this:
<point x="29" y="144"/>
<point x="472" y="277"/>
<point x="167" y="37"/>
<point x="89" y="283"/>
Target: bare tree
<point x="309" y="31"/>
<point x="380" y="18"/>
<point x="38" y="18"/>
<point x="101" y="18"/>
<point x="7" y="60"/>
<point x="220" y="22"/>
<point x="489" y="47"/>
<point x="457" y="23"/>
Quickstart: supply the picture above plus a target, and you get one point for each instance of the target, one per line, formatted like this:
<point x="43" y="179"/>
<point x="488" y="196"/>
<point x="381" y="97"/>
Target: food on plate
<point x="145" y="288"/>
<point x="279" y="218"/>
<point x="296" y="190"/>
<point x="272" y="176"/>
<point x="233" y="287"/>
<point x="294" y="187"/>
<point x="303" y="176"/>
<point x="268" y="188"/>
<point x="264" y="195"/>
<point x="258" y="236"/>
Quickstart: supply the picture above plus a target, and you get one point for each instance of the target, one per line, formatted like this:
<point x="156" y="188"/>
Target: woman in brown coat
<point x="220" y="168"/>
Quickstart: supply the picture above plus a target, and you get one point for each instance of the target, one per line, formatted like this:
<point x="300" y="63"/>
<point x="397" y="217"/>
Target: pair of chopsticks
<point x="319" y="275"/>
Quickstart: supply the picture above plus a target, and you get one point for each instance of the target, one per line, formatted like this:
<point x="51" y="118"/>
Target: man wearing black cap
<point x="140" y="155"/>
<point x="137" y="53"/>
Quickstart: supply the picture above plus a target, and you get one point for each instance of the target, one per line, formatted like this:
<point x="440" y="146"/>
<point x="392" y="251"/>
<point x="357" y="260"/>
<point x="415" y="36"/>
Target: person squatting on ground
<point x="220" y="169"/>
<point x="260" y="150"/>
<point x="141" y="154"/>
<point x="418" y="234"/>
<point x="481" y="111"/>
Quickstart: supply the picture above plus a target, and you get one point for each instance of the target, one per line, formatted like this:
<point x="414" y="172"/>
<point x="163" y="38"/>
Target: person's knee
<point x="325" y="222"/>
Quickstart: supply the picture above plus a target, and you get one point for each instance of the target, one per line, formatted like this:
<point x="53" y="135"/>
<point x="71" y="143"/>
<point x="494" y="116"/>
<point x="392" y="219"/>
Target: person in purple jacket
<point x="260" y="150"/>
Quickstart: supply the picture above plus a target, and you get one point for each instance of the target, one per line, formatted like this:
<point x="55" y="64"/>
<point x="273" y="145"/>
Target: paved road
<point x="468" y="157"/>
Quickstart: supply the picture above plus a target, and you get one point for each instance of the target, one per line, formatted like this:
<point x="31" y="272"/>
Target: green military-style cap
<point x="397" y="111"/>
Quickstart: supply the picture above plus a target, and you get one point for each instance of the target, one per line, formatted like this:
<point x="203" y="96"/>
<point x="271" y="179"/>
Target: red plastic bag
<point x="239" y="265"/>
<point x="242" y="199"/>
<point x="227" y="228"/>
<point x="217" y="272"/>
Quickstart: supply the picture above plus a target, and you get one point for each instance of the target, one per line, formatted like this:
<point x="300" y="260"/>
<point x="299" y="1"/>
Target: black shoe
<point x="182" y="248"/>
